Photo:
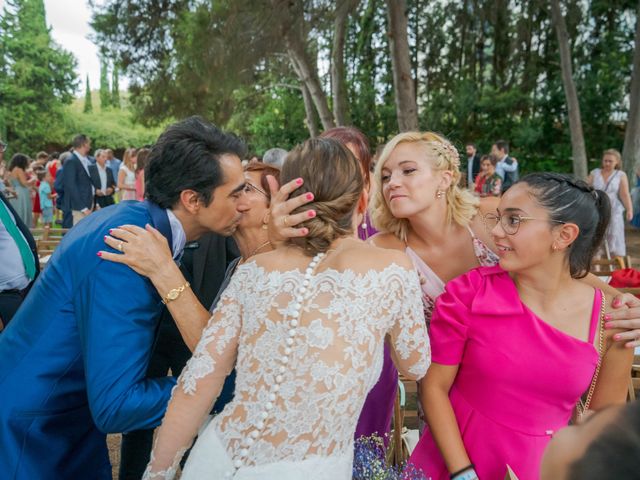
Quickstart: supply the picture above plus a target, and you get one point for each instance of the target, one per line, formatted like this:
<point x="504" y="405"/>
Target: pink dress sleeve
<point x="450" y="321"/>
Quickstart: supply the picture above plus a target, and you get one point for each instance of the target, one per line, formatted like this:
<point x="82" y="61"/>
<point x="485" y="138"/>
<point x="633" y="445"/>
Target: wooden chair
<point x="634" y="379"/>
<point x="604" y="267"/>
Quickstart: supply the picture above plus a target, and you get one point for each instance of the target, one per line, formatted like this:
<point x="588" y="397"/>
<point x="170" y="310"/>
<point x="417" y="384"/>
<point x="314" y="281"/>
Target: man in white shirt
<point x="103" y="180"/>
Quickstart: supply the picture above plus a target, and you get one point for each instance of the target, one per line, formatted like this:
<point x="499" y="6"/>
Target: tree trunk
<point x="338" y="87"/>
<point x="289" y="16"/>
<point x="573" y="106"/>
<point x="406" y="106"/>
<point x="631" y="148"/>
<point x="310" y="112"/>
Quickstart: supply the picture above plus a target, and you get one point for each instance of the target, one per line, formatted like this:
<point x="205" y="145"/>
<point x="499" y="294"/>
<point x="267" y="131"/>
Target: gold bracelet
<point x="174" y="293"/>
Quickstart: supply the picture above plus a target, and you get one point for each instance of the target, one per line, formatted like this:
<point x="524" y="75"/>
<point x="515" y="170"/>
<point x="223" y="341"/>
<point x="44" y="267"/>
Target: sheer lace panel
<point x="332" y="362"/>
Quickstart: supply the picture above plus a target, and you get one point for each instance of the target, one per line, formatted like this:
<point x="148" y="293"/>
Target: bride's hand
<point x="282" y="225"/>
<point x="145" y="250"/>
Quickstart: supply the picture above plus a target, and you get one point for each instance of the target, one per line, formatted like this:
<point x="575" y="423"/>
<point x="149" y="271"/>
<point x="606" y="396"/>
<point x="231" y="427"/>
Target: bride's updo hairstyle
<point x="570" y="200"/>
<point x="333" y="175"/>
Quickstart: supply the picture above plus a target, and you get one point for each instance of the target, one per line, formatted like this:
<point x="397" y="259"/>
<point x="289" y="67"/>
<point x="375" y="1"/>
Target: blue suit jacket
<point x="77" y="186"/>
<point x="74" y="357"/>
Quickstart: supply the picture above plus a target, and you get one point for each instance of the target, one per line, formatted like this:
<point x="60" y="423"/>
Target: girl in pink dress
<point x="513" y="345"/>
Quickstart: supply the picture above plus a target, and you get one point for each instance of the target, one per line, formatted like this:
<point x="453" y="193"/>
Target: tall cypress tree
<point x="88" y="104"/>
<point x="105" y="94"/>
<point x="37" y="77"/>
<point x="115" y="87"/>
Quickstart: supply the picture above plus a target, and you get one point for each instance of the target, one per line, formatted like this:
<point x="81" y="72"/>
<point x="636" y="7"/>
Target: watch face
<point x="173" y="294"/>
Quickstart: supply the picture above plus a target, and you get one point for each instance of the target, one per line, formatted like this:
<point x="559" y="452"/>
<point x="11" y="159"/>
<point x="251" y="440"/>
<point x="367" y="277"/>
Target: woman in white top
<point x="127" y="175"/>
<point x="305" y="327"/>
<point x="613" y="181"/>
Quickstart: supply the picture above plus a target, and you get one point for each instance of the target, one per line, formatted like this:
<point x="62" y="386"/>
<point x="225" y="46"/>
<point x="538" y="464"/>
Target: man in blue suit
<point x="75" y="355"/>
<point x="76" y="182"/>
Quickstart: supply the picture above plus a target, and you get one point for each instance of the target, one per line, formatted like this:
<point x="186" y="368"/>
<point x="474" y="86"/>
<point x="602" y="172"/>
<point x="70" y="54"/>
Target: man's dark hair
<point x="503" y="145"/>
<point x="79" y="140"/>
<point x="471" y="144"/>
<point x="615" y="452"/>
<point x="187" y="157"/>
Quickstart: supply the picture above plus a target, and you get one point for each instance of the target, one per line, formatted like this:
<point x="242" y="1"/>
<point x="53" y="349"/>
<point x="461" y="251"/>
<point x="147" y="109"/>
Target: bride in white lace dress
<point x="304" y="327"/>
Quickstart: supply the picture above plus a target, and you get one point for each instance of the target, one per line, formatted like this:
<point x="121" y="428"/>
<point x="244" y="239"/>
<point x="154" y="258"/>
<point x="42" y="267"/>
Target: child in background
<point x="46" y="197"/>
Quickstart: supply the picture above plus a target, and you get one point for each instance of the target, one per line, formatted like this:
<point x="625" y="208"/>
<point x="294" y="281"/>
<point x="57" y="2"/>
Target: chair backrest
<point x="605" y="266"/>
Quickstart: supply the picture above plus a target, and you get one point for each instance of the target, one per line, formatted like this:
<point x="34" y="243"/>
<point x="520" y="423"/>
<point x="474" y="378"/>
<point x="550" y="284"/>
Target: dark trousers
<point x="10" y="300"/>
<point x="9" y="303"/>
<point x="170" y="352"/>
<point x="67" y="219"/>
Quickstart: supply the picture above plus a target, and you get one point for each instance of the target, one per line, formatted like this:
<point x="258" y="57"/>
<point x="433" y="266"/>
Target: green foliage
<point x="276" y="118"/>
<point x="37" y="77"/>
<point x="112" y="128"/>
<point x="88" y="103"/>
<point x="115" y="88"/>
<point x="484" y="70"/>
<point x="105" y="94"/>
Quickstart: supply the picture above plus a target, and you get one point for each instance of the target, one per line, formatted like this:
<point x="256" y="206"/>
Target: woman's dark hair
<point x="187" y="157"/>
<point x="334" y="176"/>
<point x="570" y="200"/>
<point x="264" y="169"/>
<point x="615" y="452"/>
<point x="360" y="143"/>
<point x="19" y="160"/>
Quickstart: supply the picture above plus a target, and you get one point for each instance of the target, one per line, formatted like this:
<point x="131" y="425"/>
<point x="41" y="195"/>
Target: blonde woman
<point x="423" y="211"/>
<point x="127" y="175"/>
<point x="614" y="182"/>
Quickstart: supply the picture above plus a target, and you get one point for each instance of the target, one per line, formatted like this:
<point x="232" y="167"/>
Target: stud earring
<point x="554" y="247"/>
<point x="439" y="194"/>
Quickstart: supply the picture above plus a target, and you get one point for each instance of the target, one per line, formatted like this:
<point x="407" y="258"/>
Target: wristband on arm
<point x="466" y="473"/>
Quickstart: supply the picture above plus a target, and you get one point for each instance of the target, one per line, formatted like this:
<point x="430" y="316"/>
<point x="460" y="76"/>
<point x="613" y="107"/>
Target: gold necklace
<point x="256" y="250"/>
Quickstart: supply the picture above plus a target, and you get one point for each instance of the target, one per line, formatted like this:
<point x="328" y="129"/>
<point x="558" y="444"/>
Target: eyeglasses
<point x="250" y="186"/>
<point x="510" y="222"/>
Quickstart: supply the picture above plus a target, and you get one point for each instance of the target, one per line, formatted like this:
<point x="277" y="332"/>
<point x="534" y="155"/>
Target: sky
<point x="69" y="22"/>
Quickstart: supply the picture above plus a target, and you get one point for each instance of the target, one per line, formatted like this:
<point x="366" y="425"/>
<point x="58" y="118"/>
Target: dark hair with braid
<point x="570" y="200"/>
<point x="334" y="176"/>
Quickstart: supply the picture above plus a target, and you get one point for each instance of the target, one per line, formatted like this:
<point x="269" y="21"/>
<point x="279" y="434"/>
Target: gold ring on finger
<point x="120" y="246"/>
<point x="286" y="221"/>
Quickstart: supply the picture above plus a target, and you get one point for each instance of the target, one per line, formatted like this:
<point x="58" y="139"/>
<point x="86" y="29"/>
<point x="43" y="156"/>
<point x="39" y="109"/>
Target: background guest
<point x="127" y="175"/>
<point x="58" y="185"/>
<point x="113" y="163"/>
<point x="613" y="181"/>
<point x="102" y="180"/>
<point x="274" y="157"/>
<point x="141" y="162"/>
<point x="22" y="187"/>
<point x="46" y="197"/>
<point x="472" y="165"/>
<point x="77" y="186"/>
<point x="507" y="167"/>
<point x="488" y="182"/>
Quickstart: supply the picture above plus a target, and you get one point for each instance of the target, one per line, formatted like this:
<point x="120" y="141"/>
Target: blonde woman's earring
<point x="439" y="194"/>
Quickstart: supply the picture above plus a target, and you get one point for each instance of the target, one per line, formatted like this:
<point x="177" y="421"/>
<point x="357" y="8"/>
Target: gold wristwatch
<point x="174" y="293"/>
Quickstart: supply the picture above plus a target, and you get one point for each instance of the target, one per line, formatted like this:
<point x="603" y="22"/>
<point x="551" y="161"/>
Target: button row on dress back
<point x="249" y="441"/>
